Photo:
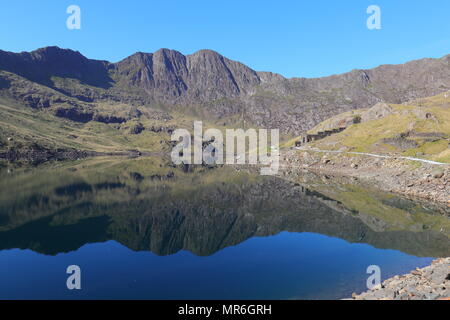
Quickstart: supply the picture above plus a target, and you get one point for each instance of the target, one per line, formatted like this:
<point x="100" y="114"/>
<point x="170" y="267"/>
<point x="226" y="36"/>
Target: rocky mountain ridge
<point x="206" y="80"/>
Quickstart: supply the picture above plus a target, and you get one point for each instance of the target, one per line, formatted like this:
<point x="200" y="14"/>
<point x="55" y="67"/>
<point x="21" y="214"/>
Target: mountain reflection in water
<point x="147" y="205"/>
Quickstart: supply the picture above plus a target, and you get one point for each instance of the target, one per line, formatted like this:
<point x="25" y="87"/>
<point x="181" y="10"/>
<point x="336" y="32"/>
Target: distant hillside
<point x="419" y="128"/>
<point x="62" y="88"/>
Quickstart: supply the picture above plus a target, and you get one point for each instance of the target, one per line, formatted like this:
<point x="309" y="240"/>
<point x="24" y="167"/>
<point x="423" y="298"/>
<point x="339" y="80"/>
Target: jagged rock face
<point x="158" y="74"/>
<point x="225" y="88"/>
<point x="200" y="77"/>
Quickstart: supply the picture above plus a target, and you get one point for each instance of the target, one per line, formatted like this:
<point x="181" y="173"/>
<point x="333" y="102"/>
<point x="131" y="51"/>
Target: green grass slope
<point x="420" y="128"/>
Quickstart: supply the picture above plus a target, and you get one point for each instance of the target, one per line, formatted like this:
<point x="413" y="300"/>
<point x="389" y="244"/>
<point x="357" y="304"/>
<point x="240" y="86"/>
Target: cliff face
<point x="219" y="86"/>
<point x="201" y="77"/>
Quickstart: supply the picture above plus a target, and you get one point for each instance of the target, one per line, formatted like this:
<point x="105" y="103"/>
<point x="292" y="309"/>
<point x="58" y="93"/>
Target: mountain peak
<point x="167" y="51"/>
<point x="206" y="52"/>
<point x="52" y="54"/>
<point x="44" y="63"/>
<point x="54" y="49"/>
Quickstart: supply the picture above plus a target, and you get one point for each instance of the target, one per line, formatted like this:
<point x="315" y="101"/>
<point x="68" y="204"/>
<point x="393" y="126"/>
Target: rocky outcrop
<point x="73" y="113"/>
<point x="136" y="128"/>
<point x="106" y="118"/>
<point x="429" y="283"/>
<point x="378" y="111"/>
<point x="401" y="142"/>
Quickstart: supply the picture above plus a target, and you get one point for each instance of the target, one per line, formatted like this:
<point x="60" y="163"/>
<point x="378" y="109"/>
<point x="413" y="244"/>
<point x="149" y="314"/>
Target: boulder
<point x="380" y="110"/>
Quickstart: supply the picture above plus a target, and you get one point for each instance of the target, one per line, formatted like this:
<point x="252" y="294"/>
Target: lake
<point x="143" y="229"/>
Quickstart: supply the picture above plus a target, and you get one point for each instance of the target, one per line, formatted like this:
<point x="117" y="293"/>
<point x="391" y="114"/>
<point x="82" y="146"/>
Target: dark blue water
<point x="285" y="266"/>
<point x="142" y="230"/>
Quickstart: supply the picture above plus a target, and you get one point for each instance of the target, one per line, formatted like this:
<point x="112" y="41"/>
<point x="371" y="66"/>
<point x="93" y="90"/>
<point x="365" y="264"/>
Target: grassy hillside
<point x="145" y="129"/>
<point x="419" y="128"/>
<point x="24" y="128"/>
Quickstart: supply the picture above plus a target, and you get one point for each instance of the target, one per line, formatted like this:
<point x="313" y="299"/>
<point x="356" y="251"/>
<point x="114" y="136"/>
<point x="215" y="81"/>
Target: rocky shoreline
<point x="429" y="283"/>
<point x="411" y="179"/>
<point x="419" y="181"/>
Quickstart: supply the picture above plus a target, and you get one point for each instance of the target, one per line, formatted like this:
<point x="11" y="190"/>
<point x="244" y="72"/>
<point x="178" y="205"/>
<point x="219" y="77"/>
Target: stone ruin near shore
<point x="339" y="123"/>
<point x="319" y="135"/>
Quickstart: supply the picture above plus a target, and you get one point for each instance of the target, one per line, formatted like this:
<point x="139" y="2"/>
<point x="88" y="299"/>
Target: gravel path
<point x="376" y="155"/>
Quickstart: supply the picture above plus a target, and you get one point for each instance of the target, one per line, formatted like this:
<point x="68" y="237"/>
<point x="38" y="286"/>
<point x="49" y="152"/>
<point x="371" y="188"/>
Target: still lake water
<point x="139" y="229"/>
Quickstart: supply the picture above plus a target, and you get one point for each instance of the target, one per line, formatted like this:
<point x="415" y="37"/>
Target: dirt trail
<point x="375" y="155"/>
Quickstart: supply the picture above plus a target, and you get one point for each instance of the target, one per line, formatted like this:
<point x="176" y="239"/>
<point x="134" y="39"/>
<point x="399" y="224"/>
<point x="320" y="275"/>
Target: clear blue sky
<point x="294" y="38"/>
